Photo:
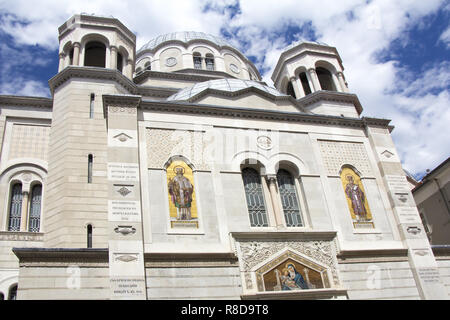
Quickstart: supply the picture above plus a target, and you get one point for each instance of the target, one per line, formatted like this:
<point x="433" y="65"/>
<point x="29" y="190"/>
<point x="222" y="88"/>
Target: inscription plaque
<point x="120" y="210"/>
<point x="123" y="171"/>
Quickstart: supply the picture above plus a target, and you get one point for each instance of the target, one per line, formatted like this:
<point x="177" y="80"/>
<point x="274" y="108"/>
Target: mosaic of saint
<point x="291" y="275"/>
<point x="182" y="204"/>
<point x="356" y="198"/>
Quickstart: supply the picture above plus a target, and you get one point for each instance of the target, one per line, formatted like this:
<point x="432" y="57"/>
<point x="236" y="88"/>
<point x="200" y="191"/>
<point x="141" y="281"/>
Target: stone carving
<point x="421" y="253"/>
<point x="124" y="191"/>
<point x="125" y="230"/>
<point x="122" y="137"/>
<point x="121" y="109"/>
<point x="126" y="257"/>
<point x="170" y="62"/>
<point x="335" y="154"/>
<point x="402" y="197"/>
<point x="255" y="252"/>
<point x="264" y="142"/>
<point x="26" y="177"/>
<point x="387" y="154"/>
<point x="234" y="68"/>
<point x="413" y="230"/>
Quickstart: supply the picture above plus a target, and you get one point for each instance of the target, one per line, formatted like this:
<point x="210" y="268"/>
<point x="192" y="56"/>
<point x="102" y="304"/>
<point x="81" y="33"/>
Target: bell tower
<point x="308" y="69"/>
<point x="97" y="56"/>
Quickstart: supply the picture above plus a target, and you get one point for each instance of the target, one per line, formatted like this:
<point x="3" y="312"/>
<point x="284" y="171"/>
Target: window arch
<point x="147" y="66"/>
<point x="35" y="208"/>
<point x="119" y="62"/>
<point x="15" y="207"/>
<point x="325" y="79"/>
<point x="209" y="60"/>
<point x="197" y="60"/>
<point x="95" y="54"/>
<point x="289" y="198"/>
<point x="255" y="198"/>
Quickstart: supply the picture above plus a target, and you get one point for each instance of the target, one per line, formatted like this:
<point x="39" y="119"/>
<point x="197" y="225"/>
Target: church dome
<point x="226" y="85"/>
<point x="185" y="37"/>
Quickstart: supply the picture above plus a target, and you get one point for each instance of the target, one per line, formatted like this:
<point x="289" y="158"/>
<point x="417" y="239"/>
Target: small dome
<point x="227" y="85"/>
<point x="185" y="37"/>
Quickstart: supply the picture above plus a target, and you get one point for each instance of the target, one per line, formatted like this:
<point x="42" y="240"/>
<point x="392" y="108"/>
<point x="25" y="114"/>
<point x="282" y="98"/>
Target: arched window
<point x="71" y="57"/>
<point x="305" y="83"/>
<point x="89" y="236"/>
<point x="255" y="198"/>
<point x="12" y="293"/>
<point x="91" y="106"/>
<point x="325" y="79"/>
<point x="138" y="70"/>
<point x="15" y="207"/>
<point x="2" y="296"/>
<point x="35" y="208"/>
<point x="197" y="60"/>
<point x="148" y="66"/>
<point x="119" y="62"/>
<point x="289" y="199"/>
<point x="95" y="54"/>
<point x="290" y="90"/>
<point x="209" y="60"/>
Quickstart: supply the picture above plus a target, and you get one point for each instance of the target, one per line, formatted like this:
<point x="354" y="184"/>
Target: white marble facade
<point x="260" y="207"/>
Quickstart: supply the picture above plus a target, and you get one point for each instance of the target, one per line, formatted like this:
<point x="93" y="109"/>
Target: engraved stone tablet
<point x="397" y="183"/>
<point x="123" y="171"/>
<point x="122" y="287"/>
<point x="120" y="210"/>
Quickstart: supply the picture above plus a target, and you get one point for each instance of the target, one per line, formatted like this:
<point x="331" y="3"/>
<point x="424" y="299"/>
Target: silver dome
<point x="228" y="85"/>
<point x="184" y="36"/>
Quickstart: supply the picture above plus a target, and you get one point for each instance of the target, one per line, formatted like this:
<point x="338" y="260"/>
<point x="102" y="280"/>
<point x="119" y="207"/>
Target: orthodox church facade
<point x="174" y="172"/>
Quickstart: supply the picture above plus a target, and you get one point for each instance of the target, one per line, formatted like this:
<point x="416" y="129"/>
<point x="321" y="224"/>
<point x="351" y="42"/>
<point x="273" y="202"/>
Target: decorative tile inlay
<point x="125" y="230"/>
<point x="126" y="257"/>
<point x="170" y="62"/>
<point x="387" y="154"/>
<point x="29" y="141"/>
<point x="165" y="143"/>
<point x="336" y="153"/>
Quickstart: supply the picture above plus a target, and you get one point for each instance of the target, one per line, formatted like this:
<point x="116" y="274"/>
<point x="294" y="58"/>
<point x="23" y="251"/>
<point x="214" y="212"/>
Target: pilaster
<point x="126" y="245"/>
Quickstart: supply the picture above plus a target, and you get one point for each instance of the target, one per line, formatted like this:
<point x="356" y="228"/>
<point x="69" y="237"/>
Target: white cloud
<point x="358" y="29"/>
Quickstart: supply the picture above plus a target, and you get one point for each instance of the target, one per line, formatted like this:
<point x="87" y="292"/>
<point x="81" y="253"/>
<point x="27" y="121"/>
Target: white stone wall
<point x="197" y="283"/>
<point x="444" y="270"/>
<point x="378" y="280"/>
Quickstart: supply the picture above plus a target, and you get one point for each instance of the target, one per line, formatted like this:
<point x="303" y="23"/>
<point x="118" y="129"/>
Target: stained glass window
<point x="289" y="199"/>
<point x="35" y="208"/>
<point x="255" y="198"/>
<point x="15" y="207"/>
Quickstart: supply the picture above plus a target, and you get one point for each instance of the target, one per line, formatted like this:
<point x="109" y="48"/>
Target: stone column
<point x="300" y="88"/>
<point x="24" y="214"/>
<point x="420" y="255"/>
<point x="272" y="181"/>
<point x="113" y="57"/>
<point x="341" y="80"/>
<point x="129" y="69"/>
<point x="62" y="57"/>
<point x="126" y="244"/>
<point x="314" y="80"/>
<point x="76" y="54"/>
<point x="296" y="89"/>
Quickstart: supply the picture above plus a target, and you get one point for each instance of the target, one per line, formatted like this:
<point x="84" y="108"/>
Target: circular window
<point x="170" y="62"/>
<point x="234" y="68"/>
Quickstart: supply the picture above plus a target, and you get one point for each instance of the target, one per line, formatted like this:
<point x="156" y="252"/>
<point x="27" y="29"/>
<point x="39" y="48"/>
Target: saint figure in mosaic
<point x="180" y="190"/>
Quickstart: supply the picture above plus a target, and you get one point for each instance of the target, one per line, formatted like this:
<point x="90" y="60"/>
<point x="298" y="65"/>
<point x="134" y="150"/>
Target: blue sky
<point x="395" y="53"/>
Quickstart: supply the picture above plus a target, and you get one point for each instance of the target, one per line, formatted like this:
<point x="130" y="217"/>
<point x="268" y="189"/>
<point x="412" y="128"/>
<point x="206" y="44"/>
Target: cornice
<point x="109" y="75"/>
<point x="61" y="255"/>
<point x="310" y="294"/>
<point x="22" y="101"/>
<point x="284" y="235"/>
<point x="91" y="73"/>
<point x="249" y="113"/>
<point x="200" y="76"/>
<point x="357" y="256"/>
<point x="334" y="96"/>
